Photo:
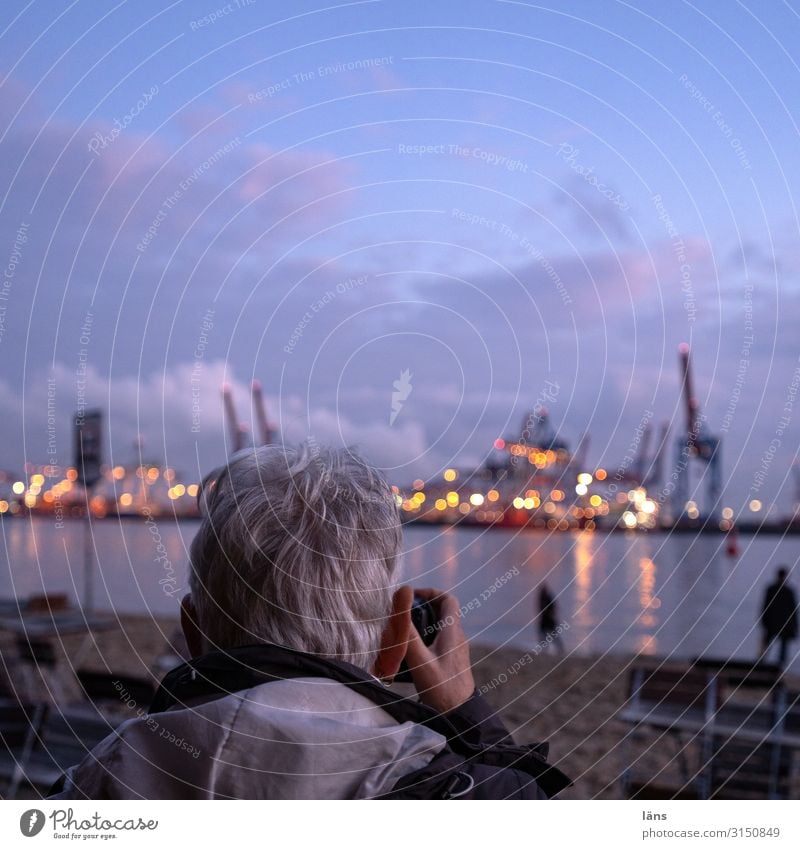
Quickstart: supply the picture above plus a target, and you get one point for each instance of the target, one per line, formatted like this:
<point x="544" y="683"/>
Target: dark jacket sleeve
<point x="477" y="723"/>
<point x="495" y="783"/>
<point x="480" y="725"/>
<point x="481" y="761"/>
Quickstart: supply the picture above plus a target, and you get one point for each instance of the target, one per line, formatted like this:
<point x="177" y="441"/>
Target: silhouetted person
<point x="548" y="615"/>
<point x="779" y="616"/>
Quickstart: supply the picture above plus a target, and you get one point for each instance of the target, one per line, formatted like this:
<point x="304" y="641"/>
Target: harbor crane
<point x="236" y="430"/>
<point x="239" y="431"/>
<point x="266" y="431"/>
<point x="695" y="444"/>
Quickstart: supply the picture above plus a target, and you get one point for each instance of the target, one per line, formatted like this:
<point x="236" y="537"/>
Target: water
<point x="658" y="594"/>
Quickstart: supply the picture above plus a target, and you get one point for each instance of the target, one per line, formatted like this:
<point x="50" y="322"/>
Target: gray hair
<point x="297" y="547"/>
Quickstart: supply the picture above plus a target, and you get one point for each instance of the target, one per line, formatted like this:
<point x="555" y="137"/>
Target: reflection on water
<point x="677" y="594"/>
<point x="583" y="579"/>
<point x="647" y="643"/>
<point x="647" y="596"/>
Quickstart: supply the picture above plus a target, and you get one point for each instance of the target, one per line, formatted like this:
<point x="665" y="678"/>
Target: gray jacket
<point x="266" y="722"/>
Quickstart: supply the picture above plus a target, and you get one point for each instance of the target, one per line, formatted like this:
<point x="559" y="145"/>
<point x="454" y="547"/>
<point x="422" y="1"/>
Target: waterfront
<point x="654" y="593"/>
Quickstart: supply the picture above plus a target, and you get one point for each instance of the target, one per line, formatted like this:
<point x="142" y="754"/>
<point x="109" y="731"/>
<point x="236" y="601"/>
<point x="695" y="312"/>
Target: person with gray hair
<point x="297" y="630"/>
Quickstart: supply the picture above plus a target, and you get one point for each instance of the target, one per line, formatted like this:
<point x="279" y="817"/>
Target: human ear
<point x="396" y="634"/>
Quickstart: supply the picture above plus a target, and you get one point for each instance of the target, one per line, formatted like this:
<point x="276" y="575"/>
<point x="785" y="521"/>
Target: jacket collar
<point x="221" y="673"/>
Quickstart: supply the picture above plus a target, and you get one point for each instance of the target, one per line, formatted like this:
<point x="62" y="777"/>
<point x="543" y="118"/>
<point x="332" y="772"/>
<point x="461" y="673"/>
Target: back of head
<point x="298" y="547"/>
<point x="782" y="574"/>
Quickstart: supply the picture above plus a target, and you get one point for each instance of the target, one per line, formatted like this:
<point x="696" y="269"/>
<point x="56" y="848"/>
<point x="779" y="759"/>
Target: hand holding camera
<point x="438" y="651"/>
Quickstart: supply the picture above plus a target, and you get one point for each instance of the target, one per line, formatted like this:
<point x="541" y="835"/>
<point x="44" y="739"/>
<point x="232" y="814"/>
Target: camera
<point x="425" y="620"/>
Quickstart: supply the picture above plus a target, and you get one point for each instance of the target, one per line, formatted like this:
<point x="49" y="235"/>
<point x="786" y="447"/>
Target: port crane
<point x="654" y="474"/>
<point x="694" y="444"/>
<point x="239" y="431"/>
<point x="266" y="431"/>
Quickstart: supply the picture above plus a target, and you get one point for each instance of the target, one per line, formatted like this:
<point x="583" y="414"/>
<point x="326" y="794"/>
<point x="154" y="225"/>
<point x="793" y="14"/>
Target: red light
<point x="499" y="444"/>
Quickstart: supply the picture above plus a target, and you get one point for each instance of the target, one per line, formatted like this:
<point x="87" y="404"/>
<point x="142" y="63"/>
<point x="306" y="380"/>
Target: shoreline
<point x="787" y="527"/>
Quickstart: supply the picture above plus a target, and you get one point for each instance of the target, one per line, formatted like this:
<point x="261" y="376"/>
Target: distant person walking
<point x="549" y="631"/>
<point x="779" y="616"/>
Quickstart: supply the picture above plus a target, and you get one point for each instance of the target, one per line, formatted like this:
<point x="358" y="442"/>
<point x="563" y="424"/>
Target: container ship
<point x="533" y="479"/>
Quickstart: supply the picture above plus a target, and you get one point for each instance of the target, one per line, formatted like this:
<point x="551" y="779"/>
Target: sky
<point x="491" y="197"/>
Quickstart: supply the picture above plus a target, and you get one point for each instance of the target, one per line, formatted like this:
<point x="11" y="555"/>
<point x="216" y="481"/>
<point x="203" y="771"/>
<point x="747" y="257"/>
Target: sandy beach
<point x="571" y="701"/>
